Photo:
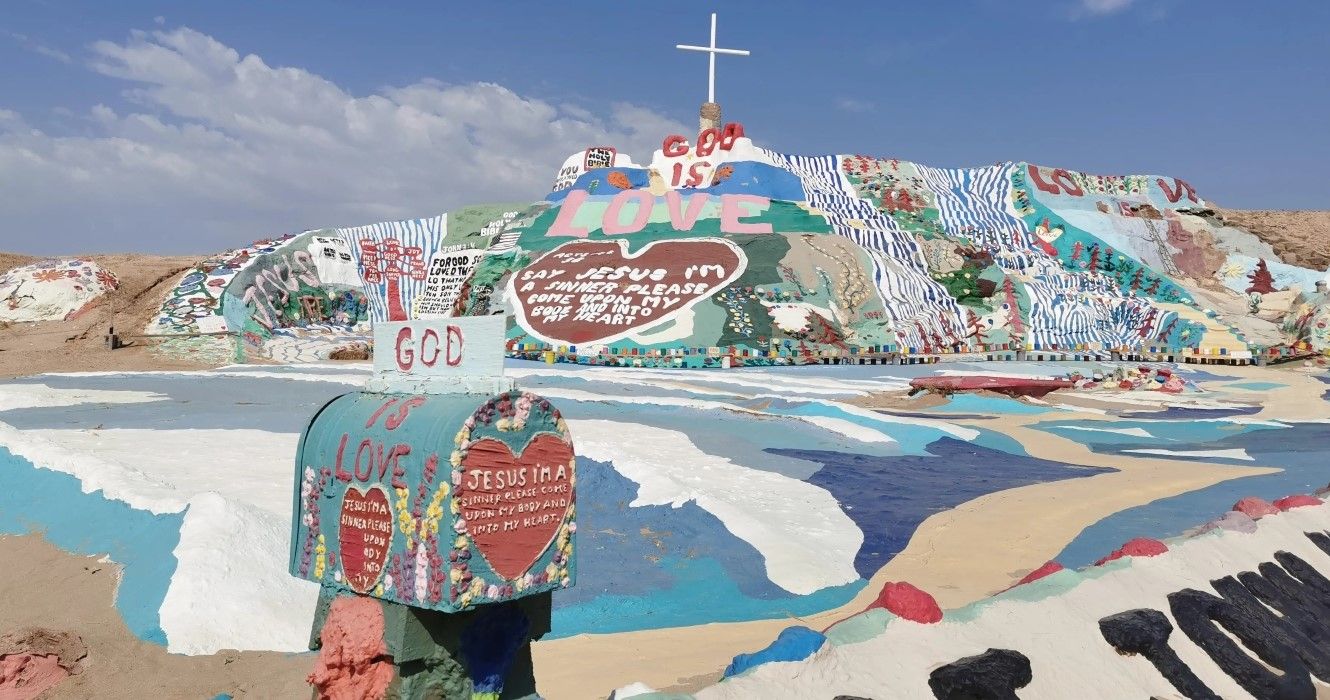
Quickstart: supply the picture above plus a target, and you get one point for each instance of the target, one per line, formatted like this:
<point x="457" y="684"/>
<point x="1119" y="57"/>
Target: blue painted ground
<point x="643" y="567"/>
<point x="1299" y="449"/>
<point x="53" y="504"/>
<point x="639" y="567"/>
<point x="889" y="497"/>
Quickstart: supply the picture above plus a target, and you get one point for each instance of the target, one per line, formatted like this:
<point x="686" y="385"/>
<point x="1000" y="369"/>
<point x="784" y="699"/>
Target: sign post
<point x="437" y="511"/>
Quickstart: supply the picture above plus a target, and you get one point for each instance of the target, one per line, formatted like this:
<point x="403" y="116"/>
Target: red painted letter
<point x="706" y="142"/>
<point x="454" y="356"/>
<point x="429" y="333"/>
<point x="674" y="146"/>
<point x="405" y="357"/>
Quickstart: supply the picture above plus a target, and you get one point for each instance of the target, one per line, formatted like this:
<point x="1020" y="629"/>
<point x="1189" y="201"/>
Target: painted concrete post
<point x="437" y="511"/>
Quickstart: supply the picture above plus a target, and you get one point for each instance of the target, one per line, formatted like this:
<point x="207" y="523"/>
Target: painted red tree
<point x="389" y="261"/>
<point x="1013" y="309"/>
<point x="1261" y="280"/>
<point x="976" y="328"/>
<point x="1136" y="278"/>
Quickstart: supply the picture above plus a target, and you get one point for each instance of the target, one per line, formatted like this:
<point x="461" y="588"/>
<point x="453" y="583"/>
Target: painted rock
<point x="1254" y="507"/>
<point x="1297" y="501"/>
<point x="1139" y="547"/>
<point x="1048" y="569"/>
<point x="904" y="600"/>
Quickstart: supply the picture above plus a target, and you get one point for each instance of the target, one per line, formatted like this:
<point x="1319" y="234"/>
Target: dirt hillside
<point x="78" y="345"/>
<point x="1298" y="237"/>
<point x="9" y="261"/>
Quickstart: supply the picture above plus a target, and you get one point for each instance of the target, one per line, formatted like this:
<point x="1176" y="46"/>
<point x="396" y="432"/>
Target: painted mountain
<point x="720" y="252"/>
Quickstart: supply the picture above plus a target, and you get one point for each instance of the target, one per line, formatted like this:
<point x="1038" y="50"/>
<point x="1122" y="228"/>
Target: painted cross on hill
<point x="390" y="261"/>
<point x="711" y="52"/>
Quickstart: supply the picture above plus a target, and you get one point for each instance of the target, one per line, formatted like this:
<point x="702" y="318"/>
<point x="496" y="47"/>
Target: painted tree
<point x="1153" y="289"/>
<point x="1108" y="265"/>
<point x="1262" y="282"/>
<point x="1093" y="263"/>
<point x="1013" y="309"/>
<point x="976" y="328"/>
<point x="389" y="261"/>
<point x="1076" y="250"/>
<point x="1143" y="330"/>
<point x="1136" y="279"/>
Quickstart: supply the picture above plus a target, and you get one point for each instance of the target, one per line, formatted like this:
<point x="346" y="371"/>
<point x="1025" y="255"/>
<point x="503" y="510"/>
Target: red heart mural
<point x="365" y="532"/>
<point x="513" y="506"/>
<point x="593" y="291"/>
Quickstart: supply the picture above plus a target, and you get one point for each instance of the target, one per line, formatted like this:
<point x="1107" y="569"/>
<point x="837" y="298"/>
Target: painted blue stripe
<point x="54" y="505"/>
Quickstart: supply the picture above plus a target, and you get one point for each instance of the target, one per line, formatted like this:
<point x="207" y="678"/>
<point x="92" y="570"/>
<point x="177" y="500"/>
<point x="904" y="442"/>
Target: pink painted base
<point x="25" y="676"/>
<point x="353" y="663"/>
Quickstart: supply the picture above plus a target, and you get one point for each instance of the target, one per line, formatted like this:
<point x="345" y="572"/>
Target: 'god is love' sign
<point x="594" y="291"/>
<point x="436" y="501"/>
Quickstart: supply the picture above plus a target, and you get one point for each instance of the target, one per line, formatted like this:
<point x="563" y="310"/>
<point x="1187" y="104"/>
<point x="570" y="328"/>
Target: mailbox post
<point x="437" y="510"/>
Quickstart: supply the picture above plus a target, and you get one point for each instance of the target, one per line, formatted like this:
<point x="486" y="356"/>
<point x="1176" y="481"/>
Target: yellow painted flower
<point x="319" y="550"/>
<point x="459" y="543"/>
<point x="455" y="576"/>
<point x="455" y="459"/>
<point x="378" y="590"/>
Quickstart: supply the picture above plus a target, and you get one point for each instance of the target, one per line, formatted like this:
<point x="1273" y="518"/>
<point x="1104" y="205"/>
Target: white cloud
<point x="30" y="44"/>
<point x="218" y="149"/>
<point x="851" y="104"/>
<point x="1099" y="8"/>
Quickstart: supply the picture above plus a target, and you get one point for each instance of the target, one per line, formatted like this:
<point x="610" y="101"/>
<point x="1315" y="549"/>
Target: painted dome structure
<point x="53" y="290"/>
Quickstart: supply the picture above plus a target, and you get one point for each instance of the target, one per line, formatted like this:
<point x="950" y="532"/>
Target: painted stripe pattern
<point x="920" y="310"/>
<point x="416" y="238"/>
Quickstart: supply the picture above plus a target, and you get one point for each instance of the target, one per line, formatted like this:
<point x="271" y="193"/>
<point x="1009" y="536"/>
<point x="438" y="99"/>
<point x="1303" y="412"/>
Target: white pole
<point x="711" y="68"/>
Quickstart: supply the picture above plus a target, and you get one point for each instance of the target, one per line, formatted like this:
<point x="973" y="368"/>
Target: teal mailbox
<point x="440" y="487"/>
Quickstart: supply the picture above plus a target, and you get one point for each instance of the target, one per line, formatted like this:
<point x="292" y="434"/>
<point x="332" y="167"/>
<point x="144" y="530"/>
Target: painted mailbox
<point x="442" y="501"/>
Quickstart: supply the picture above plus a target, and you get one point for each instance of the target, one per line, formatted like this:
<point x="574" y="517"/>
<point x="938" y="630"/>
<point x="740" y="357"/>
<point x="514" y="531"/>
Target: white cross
<point x="712" y="51"/>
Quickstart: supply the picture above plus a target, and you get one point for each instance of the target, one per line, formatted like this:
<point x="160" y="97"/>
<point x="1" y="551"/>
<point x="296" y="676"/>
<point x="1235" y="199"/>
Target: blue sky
<point x="194" y="127"/>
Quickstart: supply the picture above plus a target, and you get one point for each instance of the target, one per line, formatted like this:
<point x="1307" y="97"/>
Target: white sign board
<point x="465" y="347"/>
<point x="448" y="269"/>
<point x="332" y="258"/>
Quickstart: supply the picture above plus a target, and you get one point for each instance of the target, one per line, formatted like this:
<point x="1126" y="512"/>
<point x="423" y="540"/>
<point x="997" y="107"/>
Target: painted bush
<point x="53" y="290"/>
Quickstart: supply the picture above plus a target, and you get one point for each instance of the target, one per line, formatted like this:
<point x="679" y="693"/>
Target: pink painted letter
<point x="611" y="225"/>
<point x="730" y="212"/>
<point x="683" y="221"/>
<point x="563" y="223"/>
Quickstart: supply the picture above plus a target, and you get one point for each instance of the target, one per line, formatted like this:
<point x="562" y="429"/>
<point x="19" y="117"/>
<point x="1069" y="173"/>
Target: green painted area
<point x="861" y="627"/>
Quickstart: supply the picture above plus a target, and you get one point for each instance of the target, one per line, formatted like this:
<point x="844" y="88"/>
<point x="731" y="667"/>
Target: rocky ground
<point x="1299" y="237"/>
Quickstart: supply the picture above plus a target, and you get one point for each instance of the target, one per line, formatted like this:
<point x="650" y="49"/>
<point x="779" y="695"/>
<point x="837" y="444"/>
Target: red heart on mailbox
<point x="365" y="532"/>
<point x="513" y="505"/>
